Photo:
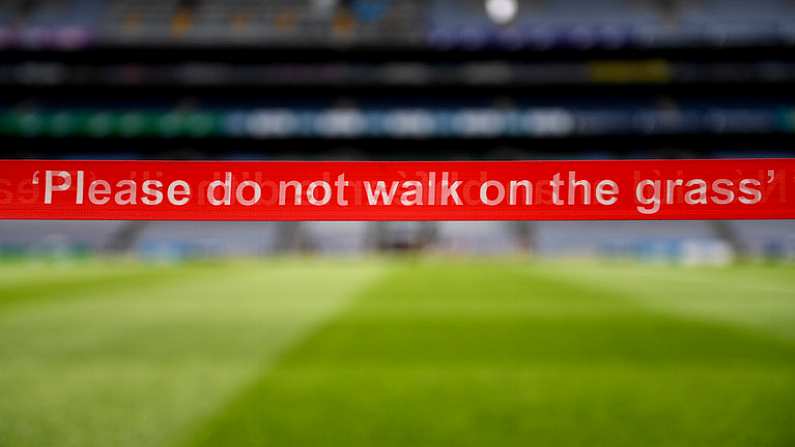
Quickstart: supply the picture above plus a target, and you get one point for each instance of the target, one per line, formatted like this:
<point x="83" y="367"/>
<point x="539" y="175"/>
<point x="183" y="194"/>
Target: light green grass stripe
<point x="757" y="296"/>
<point x="141" y="364"/>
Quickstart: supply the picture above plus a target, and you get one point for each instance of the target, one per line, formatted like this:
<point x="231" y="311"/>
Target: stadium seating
<point x="488" y="101"/>
<point x="630" y="239"/>
<point x="571" y="23"/>
<point x="478" y="238"/>
<point x="774" y="239"/>
<point x="337" y="237"/>
<point x="55" y="236"/>
<point x="652" y="240"/>
<point x="200" y="239"/>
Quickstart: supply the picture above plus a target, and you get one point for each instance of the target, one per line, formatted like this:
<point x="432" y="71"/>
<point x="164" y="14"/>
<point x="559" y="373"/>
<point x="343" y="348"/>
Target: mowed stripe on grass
<point x="490" y="353"/>
<point x="757" y="295"/>
<point x="127" y="354"/>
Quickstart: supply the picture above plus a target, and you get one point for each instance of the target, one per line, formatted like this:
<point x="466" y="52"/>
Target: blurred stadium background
<point x="488" y="340"/>
<point x="378" y="79"/>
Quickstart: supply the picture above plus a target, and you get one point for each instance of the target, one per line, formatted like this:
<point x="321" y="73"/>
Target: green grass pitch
<point x="383" y="352"/>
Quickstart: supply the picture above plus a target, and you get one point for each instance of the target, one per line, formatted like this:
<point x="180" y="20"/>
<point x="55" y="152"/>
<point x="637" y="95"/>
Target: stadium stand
<point x="409" y="79"/>
<point x="338" y="237"/>
<point x="56" y="236"/>
<point x="194" y="239"/>
<point x="440" y="23"/>
<point x="681" y="241"/>
<point x="479" y="237"/>
<point x="771" y="239"/>
<point x="654" y="239"/>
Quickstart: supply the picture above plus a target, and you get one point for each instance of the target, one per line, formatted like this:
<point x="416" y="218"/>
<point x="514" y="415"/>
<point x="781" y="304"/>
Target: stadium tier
<point x="396" y="80"/>
<point x="596" y="119"/>
<point x="433" y="23"/>
<point x="694" y="242"/>
<point x="54" y="237"/>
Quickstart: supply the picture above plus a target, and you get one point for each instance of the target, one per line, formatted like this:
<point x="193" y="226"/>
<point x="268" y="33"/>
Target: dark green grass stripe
<point x="484" y="354"/>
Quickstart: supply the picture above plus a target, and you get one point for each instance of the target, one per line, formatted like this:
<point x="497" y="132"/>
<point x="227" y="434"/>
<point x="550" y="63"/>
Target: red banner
<point x="352" y="190"/>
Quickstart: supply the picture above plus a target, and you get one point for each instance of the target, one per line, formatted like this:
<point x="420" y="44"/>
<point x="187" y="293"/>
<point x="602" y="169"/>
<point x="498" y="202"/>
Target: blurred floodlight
<point x="502" y="12"/>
